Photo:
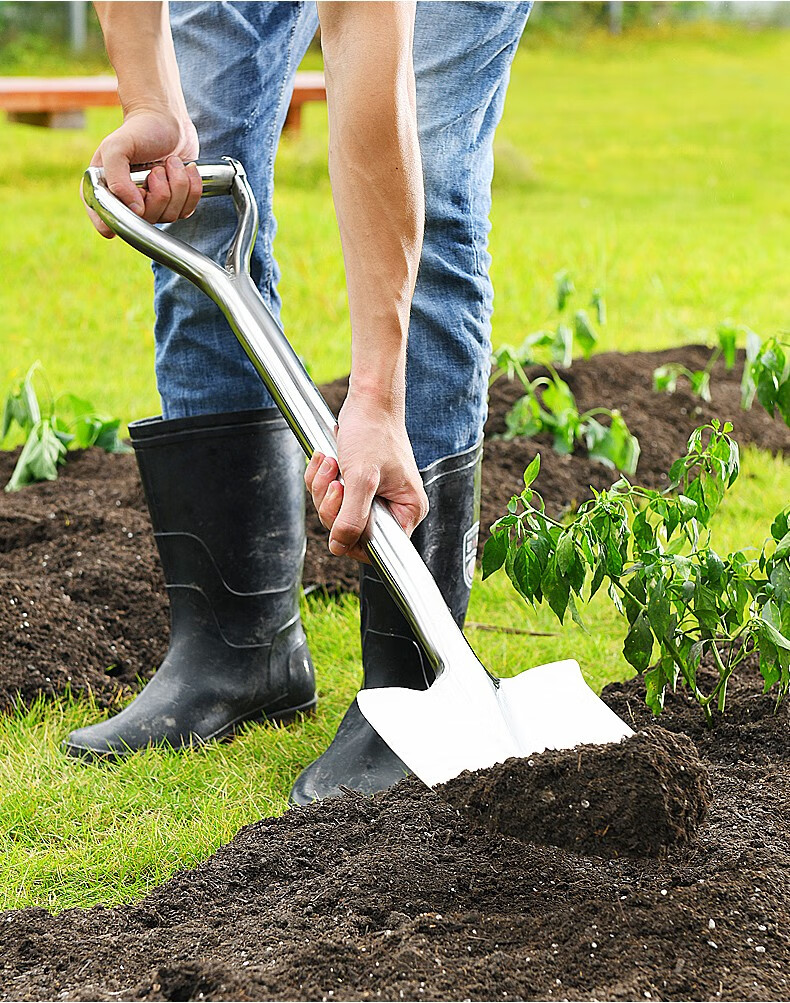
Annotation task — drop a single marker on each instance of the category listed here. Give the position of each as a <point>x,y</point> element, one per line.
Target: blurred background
<point>643,147</point>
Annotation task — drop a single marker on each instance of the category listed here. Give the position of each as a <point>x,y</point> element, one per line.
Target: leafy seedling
<point>548,404</point>
<point>555,346</point>
<point>61,423</point>
<point>766,371</point>
<point>652,552</point>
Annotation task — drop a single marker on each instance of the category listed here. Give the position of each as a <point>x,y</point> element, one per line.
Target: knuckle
<point>348,530</point>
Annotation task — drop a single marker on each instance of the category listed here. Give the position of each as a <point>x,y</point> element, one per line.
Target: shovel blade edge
<point>470,721</point>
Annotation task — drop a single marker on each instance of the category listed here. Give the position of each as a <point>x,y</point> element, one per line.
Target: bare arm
<point>156,123</point>
<point>376,173</point>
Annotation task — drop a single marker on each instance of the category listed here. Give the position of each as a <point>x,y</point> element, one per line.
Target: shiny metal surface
<point>217,178</point>
<point>464,723</point>
<point>466,720</point>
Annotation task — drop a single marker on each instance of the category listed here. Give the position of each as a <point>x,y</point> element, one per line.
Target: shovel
<point>468,719</point>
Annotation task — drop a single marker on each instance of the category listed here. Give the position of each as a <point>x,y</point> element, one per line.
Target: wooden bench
<point>60,102</point>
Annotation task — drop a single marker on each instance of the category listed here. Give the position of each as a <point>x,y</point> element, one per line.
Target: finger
<point>312,469</point>
<point>178,182</point>
<point>158,196</point>
<point>355,511</point>
<point>97,222</point>
<point>327,475</point>
<point>95,219</point>
<point>330,505</point>
<point>195,191</point>
<point>118,178</point>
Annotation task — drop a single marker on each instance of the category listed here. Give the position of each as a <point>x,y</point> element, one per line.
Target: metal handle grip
<point>217,178</point>
<point>391,552</point>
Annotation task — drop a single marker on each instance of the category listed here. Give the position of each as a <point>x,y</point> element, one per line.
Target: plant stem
<point>674,654</point>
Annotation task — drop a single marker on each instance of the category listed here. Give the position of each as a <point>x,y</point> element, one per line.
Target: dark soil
<point>404,897</point>
<point>82,600</point>
<point>640,798</point>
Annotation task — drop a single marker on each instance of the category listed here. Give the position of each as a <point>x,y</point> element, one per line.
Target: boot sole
<point>226,734</point>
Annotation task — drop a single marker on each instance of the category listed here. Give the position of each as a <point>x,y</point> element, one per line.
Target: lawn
<point>652,166</point>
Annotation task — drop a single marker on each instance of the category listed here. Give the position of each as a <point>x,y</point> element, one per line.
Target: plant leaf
<point>638,644</point>
<point>494,553</point>
<point>532,471</point>
<point>564,287</point>
<point>583,332</point>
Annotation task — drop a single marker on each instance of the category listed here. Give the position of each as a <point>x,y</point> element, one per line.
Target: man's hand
<point>375,459</point>
<point>156,124</point>
<point>146,136</point>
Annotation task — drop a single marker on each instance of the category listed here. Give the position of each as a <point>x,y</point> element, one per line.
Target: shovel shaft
<point>391,552</point>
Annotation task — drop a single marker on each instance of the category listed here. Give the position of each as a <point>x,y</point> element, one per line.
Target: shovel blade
<point>470,721</point>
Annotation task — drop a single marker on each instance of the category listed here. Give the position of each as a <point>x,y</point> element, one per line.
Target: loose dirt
<point>82,600</point>
<point>640,798</point>
<point>404,896</point>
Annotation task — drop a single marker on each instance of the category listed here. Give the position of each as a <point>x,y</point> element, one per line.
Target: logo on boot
<point>470,552</point>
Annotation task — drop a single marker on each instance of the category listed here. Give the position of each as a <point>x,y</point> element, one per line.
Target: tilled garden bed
<point>82,600</point>
<point>419,895</point>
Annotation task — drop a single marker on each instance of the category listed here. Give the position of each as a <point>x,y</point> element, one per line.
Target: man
<point>221,471</point>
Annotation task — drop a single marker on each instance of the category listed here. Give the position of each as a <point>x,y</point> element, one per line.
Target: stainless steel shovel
<point>468,719</point>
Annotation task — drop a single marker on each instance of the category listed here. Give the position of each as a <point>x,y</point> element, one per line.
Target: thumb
<point>408,515</point>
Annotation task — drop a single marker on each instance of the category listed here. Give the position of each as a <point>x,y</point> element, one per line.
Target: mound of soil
<point>638,798</point>
<point>404,897</point>
<point>82,599</point>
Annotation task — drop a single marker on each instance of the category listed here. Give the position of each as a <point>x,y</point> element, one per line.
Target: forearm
<point>140,47</point>
<point>374,163</point>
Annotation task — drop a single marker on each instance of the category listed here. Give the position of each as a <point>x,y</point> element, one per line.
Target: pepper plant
<point>557,345</point>
<point>52,428</point>
<point>652,553</point>
<point>548,404</point>
<point>766,371</point>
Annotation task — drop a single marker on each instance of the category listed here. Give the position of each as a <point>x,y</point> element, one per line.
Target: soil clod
<point>637,798</point>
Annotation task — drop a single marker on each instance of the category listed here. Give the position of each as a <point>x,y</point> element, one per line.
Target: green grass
<point>650,165</point>
<point>653,167</point>
<point>81,835</point>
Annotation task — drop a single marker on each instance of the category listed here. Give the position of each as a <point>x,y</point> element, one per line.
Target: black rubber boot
<point>358,759</point>
<point>226,497</point>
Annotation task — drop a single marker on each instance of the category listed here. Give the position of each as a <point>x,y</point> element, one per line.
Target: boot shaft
<point>226,498</point>
<point>447,541</point>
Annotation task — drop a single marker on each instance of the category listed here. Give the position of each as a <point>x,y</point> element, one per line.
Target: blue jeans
<point>237,63</point>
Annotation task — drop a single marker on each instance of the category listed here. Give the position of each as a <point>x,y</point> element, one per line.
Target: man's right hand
<point>173,190</point>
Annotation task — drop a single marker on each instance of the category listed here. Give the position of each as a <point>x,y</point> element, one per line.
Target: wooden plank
<point>42,94</point>
<point>50,119</point>
<point>58,102</point>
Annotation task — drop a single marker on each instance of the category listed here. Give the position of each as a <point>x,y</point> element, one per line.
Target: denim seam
<point>273,134</point>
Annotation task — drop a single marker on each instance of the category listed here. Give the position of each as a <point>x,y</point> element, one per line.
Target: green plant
<point>63,422</point>
<point>549,404</point>
<point>766,370</point>
<point>766,375</point>
<point>555,346</point>
<point>652,550</point>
